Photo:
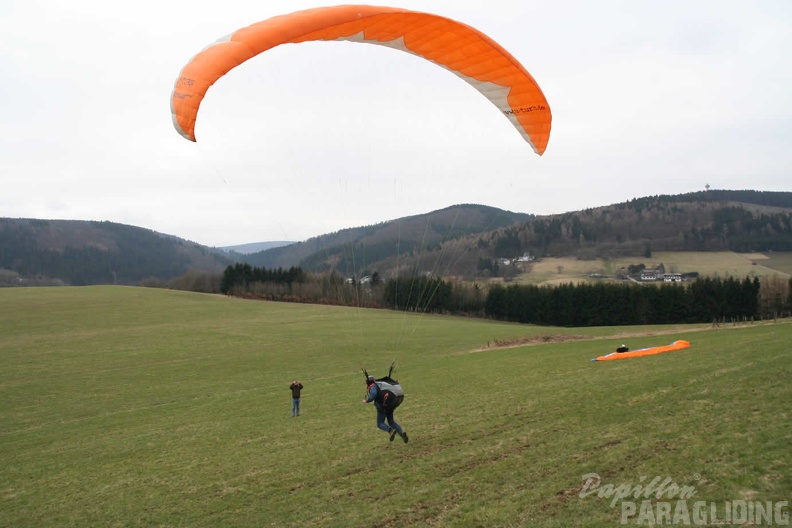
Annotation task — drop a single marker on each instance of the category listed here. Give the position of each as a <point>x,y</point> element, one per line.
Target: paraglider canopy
<point>679,344</point>
<point>461,49</point>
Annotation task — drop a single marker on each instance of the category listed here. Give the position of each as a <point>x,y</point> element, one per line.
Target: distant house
<point>672,277</point>
<point>650,274</point>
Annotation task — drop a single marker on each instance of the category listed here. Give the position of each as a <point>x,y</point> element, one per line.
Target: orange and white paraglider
<point>679,344</point>
<point>462,49</point>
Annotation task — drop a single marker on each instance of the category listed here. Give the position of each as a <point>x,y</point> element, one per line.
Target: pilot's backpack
<point>390,394</point>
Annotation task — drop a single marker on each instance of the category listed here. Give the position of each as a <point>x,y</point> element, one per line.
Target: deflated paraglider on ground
<point>676,345</point>
<point>461,49</point>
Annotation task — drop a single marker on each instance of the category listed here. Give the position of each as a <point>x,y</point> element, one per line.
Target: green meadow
<point>721,264</point>
<point>126,407</point>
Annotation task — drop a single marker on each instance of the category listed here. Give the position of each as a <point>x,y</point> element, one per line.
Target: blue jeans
<point>295,406</point>
<point>382,416</point>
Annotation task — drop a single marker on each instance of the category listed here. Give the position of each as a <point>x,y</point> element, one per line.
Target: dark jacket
<point>295,388</point>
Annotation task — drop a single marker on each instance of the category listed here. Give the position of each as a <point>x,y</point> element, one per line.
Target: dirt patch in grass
<point>527,341</point>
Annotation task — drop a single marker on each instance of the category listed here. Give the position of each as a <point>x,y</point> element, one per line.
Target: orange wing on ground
<point>676,345</point>
<point>460,48</point>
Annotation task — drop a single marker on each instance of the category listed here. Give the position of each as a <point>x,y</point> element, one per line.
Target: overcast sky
<point>647,98</point>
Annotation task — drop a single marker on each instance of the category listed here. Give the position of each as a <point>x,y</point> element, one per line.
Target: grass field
<point>722,264</point>
<point>139,407</point>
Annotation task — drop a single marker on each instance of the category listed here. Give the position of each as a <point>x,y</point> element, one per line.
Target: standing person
<point>295,387</point>
<point>382,401</point>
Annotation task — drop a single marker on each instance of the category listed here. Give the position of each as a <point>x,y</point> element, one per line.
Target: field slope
<point>139,407</point>
<point>722,264</point>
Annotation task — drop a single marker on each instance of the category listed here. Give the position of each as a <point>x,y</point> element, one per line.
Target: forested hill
<point>84,252</point>
<point>451,241</point>
<point>362,248</point>
<point>714,220</point>
<point>741,221</point>
<point>769,198</point>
